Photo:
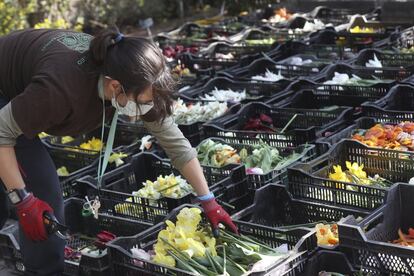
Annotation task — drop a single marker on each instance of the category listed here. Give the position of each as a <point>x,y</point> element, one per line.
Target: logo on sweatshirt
<point>78,42</point>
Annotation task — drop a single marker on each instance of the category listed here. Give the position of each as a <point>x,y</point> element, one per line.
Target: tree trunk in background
<point>181,8</point>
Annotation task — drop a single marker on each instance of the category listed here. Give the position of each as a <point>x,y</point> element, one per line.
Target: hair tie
<point>118,38</point>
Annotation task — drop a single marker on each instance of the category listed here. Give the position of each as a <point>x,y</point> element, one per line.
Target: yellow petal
<point>164,260</point>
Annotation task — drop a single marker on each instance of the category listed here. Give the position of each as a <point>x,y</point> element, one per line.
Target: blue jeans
<point>39,174</point>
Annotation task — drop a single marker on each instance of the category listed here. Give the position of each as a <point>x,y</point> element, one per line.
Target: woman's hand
<point>216,214</point>
<point>30,212</point>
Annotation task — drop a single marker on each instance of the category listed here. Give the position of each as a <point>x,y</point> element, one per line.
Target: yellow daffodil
<point>160,248</point>
<point>356,170</point>
<point>196,247</point>
<point>117,158</point>
<point>360,30</point>
<point>164,260</point>
<point>43,135</point>
<point>211,245</point>
<point>62,171</point>
<point>338,174</point>
<point>94,144</point>
<point>189,217</point>
<point>67,139</point>
<point>166,235</point>
<point>354,174</point>
<point>184,236</point>
<point>170,225</point>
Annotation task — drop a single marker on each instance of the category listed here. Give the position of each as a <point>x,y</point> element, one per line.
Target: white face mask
<point>132,109</point>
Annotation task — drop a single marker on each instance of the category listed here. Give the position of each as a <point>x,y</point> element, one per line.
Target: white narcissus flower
<point>269,76</point>
<point>145,143</point>
<point>198,112</point>
<point>224,95</point>
<point>374,63</point>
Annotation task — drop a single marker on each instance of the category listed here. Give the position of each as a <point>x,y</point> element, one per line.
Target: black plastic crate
<point>237,49</point>
<point>254,91</point>
<point>79,227</point>
<point>118,185</point>
<point>310,181</point>
<point>275,35</point>
<point>288,71</point>
<point>75,158</point>
<point>330,15</point>
<point>129,132</point>
<point>328,261</point>
<point>398,104</point>
<point>275,208</point>
<point>192,34</point>
<point>344,43</point>
<point>388,74</point>
<point>205,65</point>
<point>124,263</point>
<point>324,51</point>
<point>364,40</point>
<point>369,239</point>
<point>346,132</point>
<point>210,57</point>
<point>256,180</point>
<point>323,107</point>
<point>68,183</point>
<point>311,94</point>
<point>315,67</point>
<point>123,137</point>
<point>193,131</point>
<point>306,127</point>
<point>397,40</point>
<point>185,82</point>
<point>387,58</point>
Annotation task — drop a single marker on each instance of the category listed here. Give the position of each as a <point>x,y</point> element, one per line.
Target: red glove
<point>216,214</point>
<point>30,212</point>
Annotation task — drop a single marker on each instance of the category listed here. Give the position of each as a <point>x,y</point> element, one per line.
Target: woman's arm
<point>193,172</point>
<point>9,169</point>
<point>183,156</point>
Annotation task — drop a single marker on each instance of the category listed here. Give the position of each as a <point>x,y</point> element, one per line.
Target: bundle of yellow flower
<point>94,144</point>
<point>363,30</point>
<point>355,174</point>
<point>185,236</point>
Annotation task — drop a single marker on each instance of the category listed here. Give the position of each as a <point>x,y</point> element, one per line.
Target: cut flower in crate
<point>387,136</point>
<point>258,159</point>
<point>280,15</point>
<point>165,186</point>
<point>168,186</point>
<point>364,30</point>
<point>405,239</point>
<point>345,79</point>
<point>224,95</point>
<point>327,234</point>
<point>189,245</point>
<point>355,173</point>
<point>268,76</point>
<point>197,112</point>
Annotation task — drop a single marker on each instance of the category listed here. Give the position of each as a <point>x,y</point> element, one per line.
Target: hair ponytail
<point>100,45</point>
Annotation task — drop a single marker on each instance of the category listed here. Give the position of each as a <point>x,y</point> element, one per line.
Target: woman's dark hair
<point>136,63</point>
